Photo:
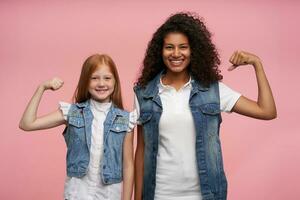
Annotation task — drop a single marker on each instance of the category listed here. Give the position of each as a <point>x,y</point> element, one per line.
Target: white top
<point>90,186</point>
<point>176,173</point>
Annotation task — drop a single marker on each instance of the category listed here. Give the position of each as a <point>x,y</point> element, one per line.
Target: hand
<point>53,84</point>
<point>242,58</point>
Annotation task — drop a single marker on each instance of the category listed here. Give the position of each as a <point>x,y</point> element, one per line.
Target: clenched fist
<point>53,84</point>
<point>242,58</point>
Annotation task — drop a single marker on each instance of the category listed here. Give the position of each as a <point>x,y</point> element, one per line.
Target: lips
<point>176,62</point>
<point>102,90</point>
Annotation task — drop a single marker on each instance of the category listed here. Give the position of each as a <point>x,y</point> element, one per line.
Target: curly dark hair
<point>204,56</point>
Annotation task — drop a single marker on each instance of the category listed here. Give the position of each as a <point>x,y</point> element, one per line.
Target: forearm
<point>139,175</point>
<point>30,113</point>
<point>139,166</point>
<point>128,174</point>
<point>265,98</point>
<point>30,121</point>
<point>264,107</point>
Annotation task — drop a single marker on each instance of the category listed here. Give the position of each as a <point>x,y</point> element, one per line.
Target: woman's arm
<point>128,171</point>
<point>264,107</point>
<point>30,121</point>
<point>139,164</point>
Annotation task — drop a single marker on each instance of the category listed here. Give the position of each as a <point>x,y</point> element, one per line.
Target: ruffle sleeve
<point>132,120</point>
<point>64,107</point>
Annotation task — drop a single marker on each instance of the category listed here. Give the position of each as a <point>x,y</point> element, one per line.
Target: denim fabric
<point>78,140</point>
<point>205,107</point>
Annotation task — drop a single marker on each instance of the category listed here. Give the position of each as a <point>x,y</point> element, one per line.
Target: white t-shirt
<point>176,172</point>
<point>90,187</point>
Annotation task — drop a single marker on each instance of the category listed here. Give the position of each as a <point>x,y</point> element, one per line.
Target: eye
<point>184,47</point>
<point>107,78</point>
<point>168,47</point>
<point>94,78</point>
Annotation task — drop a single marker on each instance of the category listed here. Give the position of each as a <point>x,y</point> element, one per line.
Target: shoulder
<point>226,90</point>
<point>76,108</point>
<point>138,89</point>
<point>121,112</point>
<point>121,116</point>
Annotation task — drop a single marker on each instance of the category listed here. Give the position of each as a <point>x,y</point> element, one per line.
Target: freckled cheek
<point>92,84</point>
<point>113,85</point>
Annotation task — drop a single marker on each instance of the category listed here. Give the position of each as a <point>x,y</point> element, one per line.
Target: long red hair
<point>88,68</point>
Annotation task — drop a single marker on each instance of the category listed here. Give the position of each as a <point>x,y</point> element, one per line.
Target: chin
<point>177,69</point>
<point>101,99</point>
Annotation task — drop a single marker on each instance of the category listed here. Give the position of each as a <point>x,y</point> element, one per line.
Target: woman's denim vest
<point>78,139</point>
<point>205,107</point>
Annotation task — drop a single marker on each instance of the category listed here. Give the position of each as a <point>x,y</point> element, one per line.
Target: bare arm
<point>30,121</point>
<point>264,107</point>
<point>128,171</point>
<point>139,164</point>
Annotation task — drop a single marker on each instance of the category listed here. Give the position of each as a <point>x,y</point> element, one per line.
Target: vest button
<point>104,166</point>
<point>117,128</point>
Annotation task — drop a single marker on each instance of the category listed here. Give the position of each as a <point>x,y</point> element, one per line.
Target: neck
<point>101,102</point>
<point>176,80</point>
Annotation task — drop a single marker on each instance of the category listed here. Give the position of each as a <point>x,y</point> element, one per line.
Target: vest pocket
<point>76,121</point>
<point>76,130</point>
<point>210,108</point>
<point>118,128</point>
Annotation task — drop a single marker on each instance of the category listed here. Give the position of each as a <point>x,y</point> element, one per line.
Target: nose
<point>176,52</point>
<point>100,82</point>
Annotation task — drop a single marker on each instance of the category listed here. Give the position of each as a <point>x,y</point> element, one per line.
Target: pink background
<point>40,40</point>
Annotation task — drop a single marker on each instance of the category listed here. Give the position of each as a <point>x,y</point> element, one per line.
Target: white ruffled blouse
<point>90,186</point>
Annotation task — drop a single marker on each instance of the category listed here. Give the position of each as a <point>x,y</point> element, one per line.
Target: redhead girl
<point>98,132</point>
<point>179,100</point>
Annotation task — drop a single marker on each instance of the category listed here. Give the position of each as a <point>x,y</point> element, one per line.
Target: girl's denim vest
<point>205,107</point>
<point>78,139</point>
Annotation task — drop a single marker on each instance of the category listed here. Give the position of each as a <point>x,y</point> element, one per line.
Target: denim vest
<point>205,107</point>
<point>78,139</point>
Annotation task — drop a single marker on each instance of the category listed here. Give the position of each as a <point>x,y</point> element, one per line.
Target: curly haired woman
<point>179,100</point>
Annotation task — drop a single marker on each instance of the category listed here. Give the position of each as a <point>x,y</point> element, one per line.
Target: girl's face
<point>176,52</point>
<point>102,84</point>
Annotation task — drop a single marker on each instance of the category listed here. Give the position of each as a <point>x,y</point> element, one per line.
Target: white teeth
<point>176,62</point>
<point>101,90</point>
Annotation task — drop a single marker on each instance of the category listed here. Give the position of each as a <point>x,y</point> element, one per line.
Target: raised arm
<point>139,164</point>
<point>264,107</point>
<point>30,121</point>
<point>128,166</point>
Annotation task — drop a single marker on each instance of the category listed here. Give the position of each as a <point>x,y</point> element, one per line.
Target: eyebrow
<point>178,44</point>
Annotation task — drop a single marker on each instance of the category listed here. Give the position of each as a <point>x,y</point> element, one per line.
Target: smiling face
<point>176,52</point>
<point>102,84</point>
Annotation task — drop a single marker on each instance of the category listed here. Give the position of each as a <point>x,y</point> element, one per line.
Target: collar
<point>101,107</point>
<point>162,87</point>
<point>152,88</point>
<point>197,85</point>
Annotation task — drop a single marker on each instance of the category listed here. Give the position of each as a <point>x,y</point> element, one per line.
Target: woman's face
<point>176,52</point>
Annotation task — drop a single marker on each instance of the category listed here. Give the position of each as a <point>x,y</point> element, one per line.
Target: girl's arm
<point>139,164</point>
<point>264,107</point>
<point>128,171</point>
<point>30,121</point>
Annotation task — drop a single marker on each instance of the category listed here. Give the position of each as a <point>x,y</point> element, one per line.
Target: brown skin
<point>176,55</point>
<point>263,108</point>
